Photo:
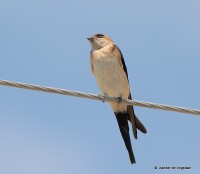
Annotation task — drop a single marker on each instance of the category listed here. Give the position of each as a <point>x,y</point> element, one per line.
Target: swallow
<point>109,69</point>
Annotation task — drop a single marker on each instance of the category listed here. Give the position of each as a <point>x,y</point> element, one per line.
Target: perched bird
<point>109,69</point>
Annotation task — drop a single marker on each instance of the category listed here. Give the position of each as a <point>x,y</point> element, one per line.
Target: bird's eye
<point>100,35</point>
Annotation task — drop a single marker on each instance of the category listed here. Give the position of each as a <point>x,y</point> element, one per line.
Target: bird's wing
<point>136,123</point>
<point>121,60</point>
<point>130,109</point>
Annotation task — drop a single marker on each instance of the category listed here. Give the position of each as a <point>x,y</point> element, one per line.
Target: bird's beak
<point>90,38</point>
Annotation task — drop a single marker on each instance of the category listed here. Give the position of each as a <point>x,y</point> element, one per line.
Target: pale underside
<point>111,78</point>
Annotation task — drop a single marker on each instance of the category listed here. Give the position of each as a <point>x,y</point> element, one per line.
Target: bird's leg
<point>119,99</point>
<point>102,96</point>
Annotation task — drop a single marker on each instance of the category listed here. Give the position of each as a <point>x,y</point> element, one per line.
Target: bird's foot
<point>102,96</point>
<point>119,99</point>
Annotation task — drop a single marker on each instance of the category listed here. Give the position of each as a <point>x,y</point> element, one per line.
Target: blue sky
<point>44,42</point>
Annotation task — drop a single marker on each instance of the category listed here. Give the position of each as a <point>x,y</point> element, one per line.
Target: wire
<point>99,97</point>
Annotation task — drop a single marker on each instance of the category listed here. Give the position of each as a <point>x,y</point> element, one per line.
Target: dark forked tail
<point>135,122</point>
<point>122,119</point>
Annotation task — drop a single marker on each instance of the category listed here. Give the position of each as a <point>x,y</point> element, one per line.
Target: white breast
<point>111,79</point>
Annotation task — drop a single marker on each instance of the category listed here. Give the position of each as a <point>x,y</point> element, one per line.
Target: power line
<point>98,97</point>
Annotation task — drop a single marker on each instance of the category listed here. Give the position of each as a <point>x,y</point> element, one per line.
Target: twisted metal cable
<point>99,97</point>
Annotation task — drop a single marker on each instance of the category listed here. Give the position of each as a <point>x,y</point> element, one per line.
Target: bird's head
<point>98,41</point>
